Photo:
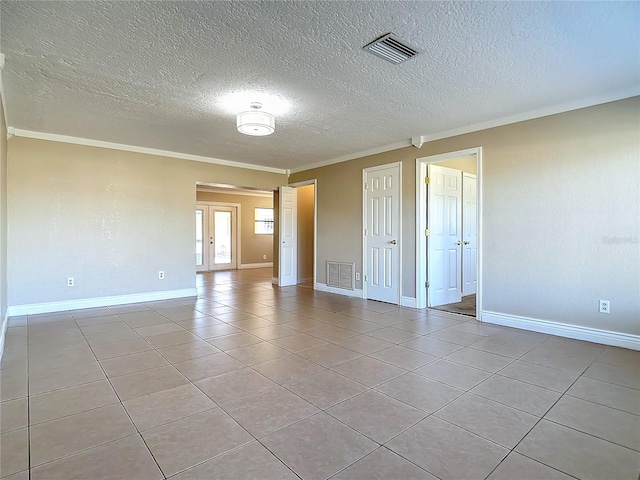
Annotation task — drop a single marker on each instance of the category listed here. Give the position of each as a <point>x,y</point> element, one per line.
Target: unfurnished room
<point>313,240</point>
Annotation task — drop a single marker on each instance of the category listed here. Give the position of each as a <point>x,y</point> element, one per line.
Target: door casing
<point>421,223</point>
<point>277,280</point>
<point>236,235</point>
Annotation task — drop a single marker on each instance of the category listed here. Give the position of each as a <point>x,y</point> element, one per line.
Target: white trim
<point>352,156</point>
<point>231,191</point>
<point>49,307</point>
<point>408,302</point>
<point>3,332</point>
<point>533,114</point>
<point>421,216</point>
<point>521,117</point>
<point>4,109</point>
<point>246,266</point>
<point>596,335</point>
<point>305,183</point>
<point>18,132</point>
<point>365,172</point>
<point>323,287</point>
<point>238,243</point>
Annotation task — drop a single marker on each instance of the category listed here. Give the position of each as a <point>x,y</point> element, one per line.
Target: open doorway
<point>448,219</point>
<point>295,234</point>
<point>233,228</point>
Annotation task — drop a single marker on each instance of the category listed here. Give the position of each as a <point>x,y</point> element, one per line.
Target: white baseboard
<point>408,302</point>
<point>323,287</point>
<point>49,307</point>
<point>3,331</point>
<point>596,335</point>
<point>244,266</point>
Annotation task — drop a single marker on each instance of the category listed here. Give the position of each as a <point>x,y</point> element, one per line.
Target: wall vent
<point>341,275</point>
<point>392,49</point>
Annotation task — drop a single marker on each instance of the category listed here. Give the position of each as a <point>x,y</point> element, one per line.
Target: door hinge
<point>365,278</point>
<point>426,180</point>
<point>426,284</point>
<point>366,186</point>
<point>427,232</point>
<point>365,232</point>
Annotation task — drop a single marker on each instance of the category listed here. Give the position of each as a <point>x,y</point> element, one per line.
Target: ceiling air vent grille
<point>392,49</point>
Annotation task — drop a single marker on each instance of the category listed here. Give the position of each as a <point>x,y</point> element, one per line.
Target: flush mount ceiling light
<point>256,122</point>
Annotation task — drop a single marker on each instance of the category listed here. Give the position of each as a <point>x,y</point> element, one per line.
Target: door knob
<point>466,242</point>
<point>459,242</point>
<point>393,242</point>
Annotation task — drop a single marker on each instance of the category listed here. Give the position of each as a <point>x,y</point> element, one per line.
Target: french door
<point>216,227</point>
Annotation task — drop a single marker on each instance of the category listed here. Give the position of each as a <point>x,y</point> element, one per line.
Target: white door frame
<point>421,223</point>
<point>238,230</point>
<point>365,263</point>
<point>304,183</point>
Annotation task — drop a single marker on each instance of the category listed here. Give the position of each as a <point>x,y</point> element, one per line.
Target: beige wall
<point>252,246</point>
<point>305,233</point>
<point>561,218</point>
<point>3,214</point>
<point>464,164</point>
<point>108,218</point>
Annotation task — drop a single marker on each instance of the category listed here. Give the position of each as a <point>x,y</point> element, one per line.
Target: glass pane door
<point>215,247</point>
<point>222,227</point>
<point>202,242</point>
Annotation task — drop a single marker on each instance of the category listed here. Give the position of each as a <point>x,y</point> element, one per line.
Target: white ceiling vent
<point>392,49</point>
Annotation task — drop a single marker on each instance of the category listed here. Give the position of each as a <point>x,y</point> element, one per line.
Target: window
<point>263,221</point>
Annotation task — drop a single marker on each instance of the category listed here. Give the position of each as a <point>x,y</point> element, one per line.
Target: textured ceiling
<point>156,74</point>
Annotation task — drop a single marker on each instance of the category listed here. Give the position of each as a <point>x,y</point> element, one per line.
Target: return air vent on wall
<point>341,275</point>
<point>391,48</point>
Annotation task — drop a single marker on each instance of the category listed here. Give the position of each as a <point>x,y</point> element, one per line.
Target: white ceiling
<point>156,74</point>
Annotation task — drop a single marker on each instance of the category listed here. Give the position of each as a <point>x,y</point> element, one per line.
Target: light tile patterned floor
<point>251,381</point>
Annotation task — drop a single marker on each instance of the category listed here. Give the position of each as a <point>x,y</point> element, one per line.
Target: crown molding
<point>2,95</point>
<point>420,140</point>
<point>18,132</point>
<point>352,156</point>
<point>231,191</point>
<point>530,115</point>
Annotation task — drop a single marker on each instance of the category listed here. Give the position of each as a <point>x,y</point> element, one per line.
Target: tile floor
<point>254,382</point>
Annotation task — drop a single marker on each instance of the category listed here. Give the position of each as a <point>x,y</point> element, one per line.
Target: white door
<point>469,234</point>
<point>288,222</point>
<point>382,233</point>
<point>215,238</point>
<point>444,221</point>
<point>202,238</point>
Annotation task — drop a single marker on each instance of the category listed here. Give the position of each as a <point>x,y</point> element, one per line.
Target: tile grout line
<point>139,434</point>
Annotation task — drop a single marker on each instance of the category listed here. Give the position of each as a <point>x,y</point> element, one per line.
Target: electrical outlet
<point>161,275</point>
<point>70,282</point>
<point>264,257</point>
<point>357,275</point>
<point>604,306</point>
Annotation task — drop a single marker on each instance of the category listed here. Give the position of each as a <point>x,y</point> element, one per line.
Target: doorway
<point>216,237</point>
<point>448,210</point>
<point>295,247</point>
